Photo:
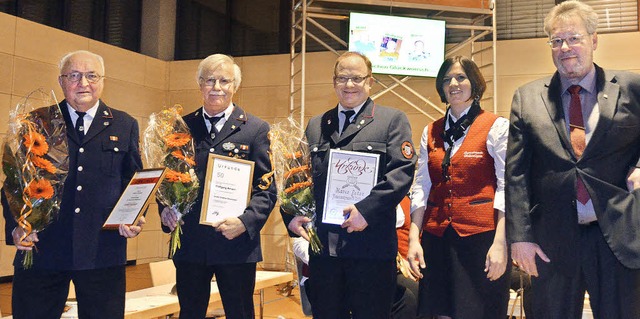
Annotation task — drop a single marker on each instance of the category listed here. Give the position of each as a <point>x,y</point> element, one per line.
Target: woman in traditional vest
<point>457,239</point>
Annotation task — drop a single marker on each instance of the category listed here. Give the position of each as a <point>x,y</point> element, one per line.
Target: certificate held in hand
<point>135,198</point>
<point>350,178</point>
<point>227,188</point>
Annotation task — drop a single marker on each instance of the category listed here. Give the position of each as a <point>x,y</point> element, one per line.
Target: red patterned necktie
<point>577,133</point>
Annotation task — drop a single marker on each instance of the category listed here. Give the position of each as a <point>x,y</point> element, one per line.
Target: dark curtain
<point>234,27</point>
<point>115,22</point>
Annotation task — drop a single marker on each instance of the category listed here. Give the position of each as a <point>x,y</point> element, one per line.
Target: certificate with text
<point>227,188</point>
<point>350,178</point>
<point>135,198</point>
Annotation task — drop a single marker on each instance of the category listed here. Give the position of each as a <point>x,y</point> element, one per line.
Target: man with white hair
<point>103,156</point>
<point>230,249</point>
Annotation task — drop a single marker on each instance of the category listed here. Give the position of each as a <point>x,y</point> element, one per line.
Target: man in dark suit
<point>356,272</point>
<point>103,156</point>
<point>231,248</point>
<point>574,137</point>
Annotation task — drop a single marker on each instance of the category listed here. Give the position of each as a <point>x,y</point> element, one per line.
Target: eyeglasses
<point>573,40</point>
<point>211,82</point>
<point>354,79</point>
<point>77,77</point>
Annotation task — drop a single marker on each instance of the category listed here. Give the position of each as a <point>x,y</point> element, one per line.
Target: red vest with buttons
<point>466,200</point>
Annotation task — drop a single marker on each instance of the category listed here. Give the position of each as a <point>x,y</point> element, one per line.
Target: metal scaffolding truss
<point>465,26</point>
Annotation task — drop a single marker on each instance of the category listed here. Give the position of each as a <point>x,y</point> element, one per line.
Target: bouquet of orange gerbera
<point>290,160</point>
<point>35,162</point>
<point>168,143</point>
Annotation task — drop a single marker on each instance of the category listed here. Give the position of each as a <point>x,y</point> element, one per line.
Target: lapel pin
<point>358,126</point>
<point>105,123</point>
<point>113,138</point>
<point>329,122</point>
<point>605,96</point>
<point>361,121</point>
<point>233,127</point>
<point>241,116</point>
<point>105,112</point>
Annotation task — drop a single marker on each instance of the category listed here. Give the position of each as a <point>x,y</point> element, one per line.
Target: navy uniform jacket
<point>243,136</point>
<point>376,129</point>
<point>542,168</point>
<point>99,169</point>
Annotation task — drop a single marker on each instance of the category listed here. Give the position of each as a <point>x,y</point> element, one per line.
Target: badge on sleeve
<point>407,150</point>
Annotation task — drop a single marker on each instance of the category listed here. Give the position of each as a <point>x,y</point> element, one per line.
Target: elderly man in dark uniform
<point>231,248</point>
<point>355,274</point>
<point>103,156</point>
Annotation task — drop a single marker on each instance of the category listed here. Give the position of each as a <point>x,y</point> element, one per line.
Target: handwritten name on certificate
<point>227,188</point>
<point>135,198</point>
<point>350,178</point>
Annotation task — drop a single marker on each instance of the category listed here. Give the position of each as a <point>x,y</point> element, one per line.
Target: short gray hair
<point>65,59</point>
<point>571,8</point>
<point>214,61</point>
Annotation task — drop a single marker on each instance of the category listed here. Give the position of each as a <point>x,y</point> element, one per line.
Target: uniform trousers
<point>352,288</point>
<point>236,283</point>
<point>614,290</point>
<point>41,294</point>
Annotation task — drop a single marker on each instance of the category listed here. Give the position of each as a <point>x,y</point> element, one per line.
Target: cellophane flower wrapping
<point>168,143</point>
<point>35,162</point>
<point>291,162</point>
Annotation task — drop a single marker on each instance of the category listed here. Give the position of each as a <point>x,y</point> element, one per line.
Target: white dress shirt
<point>88,118</point>
<point>227,113</point>
<point>496,146</point>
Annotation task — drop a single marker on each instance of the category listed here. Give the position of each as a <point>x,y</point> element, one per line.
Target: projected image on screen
<point>398,45</point>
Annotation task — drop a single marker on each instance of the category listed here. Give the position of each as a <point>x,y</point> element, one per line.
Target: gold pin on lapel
<point>105,112</point>
<point>233,127</point>
<point>105,123</point>
<point>328,122</point>
<point>113,138</point>
<point>361,121</point>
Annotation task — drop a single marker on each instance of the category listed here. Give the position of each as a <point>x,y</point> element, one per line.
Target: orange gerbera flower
<point>177,139</point>
<point>40,188</point>
<point>36,143</point>
<point>296,186</point>
<point>43,163</point>
<point>173,176</point>
<point>178,154</point>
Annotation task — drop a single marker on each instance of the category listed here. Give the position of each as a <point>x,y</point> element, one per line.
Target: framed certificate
<point>135,198</point>
<point>227,188</point>
<point>350,178</point>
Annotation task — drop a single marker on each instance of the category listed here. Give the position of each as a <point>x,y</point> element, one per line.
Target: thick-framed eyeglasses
<point>75,77</point>
<point>556,43</point>
<point>211,82</point>
<point>354,79</point>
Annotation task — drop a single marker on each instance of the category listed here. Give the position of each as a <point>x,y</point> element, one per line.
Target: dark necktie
<point>455,132</point>
<point>80,125</point>
<point>348,114</point>
<point>213,120</point>
<point>577,134</point>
